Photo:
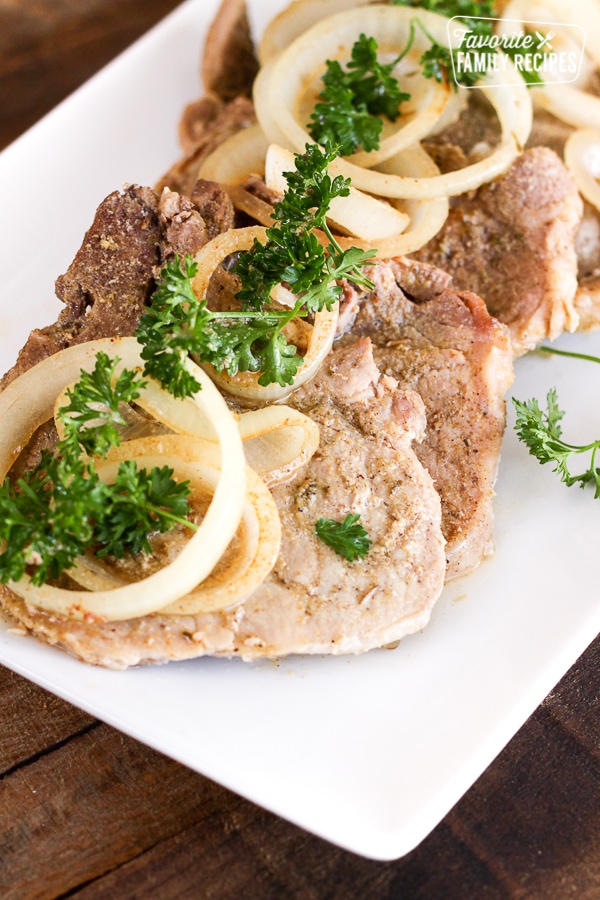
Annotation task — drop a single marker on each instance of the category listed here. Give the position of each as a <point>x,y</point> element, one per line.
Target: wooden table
<point>86,812</point>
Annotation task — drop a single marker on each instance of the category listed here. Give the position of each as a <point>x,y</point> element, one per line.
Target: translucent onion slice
<point>295,19</point>
<point>568,102</point>
<point>253,206</point>
<point>244,385</point>
<point>582,158</point>
<point>359,214</point>
<point>283,84</point>
<point>212,254</point>
<point>426,216</point>
<point>28,402</point>
<point>278,440</point>
<point>240,155</point>
<point>260,528</point>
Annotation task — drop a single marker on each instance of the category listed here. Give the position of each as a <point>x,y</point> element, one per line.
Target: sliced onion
<point>427,217</point>
<point>240,155</point>
<point>260,528</point>
<point>582,158</point>
<point>359,214</point>
<point>278,440</point>
<point>244,385</point>
<point>253,206</point>
<point>294,20</point>
<point>28,402</point>
<point>282,84</point>
<point>212,254</point>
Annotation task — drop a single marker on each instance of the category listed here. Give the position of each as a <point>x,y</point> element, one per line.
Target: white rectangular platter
<point>368,752</point>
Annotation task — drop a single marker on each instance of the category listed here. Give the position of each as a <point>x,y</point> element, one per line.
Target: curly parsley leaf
<point>252,339</point>
<point>138,503</point>
<point>46,520</point>
<point>541,431</point>
<point>93,417</point>
<point>353,98</point>
<point>61,507</point>
<point>167,328</point>
<point>347,538</point>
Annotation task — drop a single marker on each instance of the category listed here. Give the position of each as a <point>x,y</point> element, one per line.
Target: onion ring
<point>28,401</point>
<point>283,80</point>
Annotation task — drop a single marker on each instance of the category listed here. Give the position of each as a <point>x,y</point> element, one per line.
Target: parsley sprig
<point>348,538</point>
<point>92,418</point>
<point>541,431</point>
<point>353,99</point>
<point>61,507</point>
<point>252,339</point>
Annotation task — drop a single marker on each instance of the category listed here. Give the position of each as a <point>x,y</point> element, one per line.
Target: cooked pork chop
<point>473,135</point>
<point>313,601</point>
<point>512,243</point>
<point>108,282</point>
<point>206,123</point>
<point>228,40</point>
<point>447,347</point>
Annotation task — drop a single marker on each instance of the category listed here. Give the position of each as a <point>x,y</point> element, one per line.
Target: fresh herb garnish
<point>92,417</point>
<point>252,339</point>
<point>541,431</point>
<point>347,538</point>
<point>61,507</point>
<point>139,502</point>
<point>353,99</point>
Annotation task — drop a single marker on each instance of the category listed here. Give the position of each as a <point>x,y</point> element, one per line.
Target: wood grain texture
<point>86,812</point>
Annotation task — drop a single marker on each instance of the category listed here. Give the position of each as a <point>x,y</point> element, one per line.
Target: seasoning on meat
<point>512,243</point>
<point>313,601</point>
<point>447,347</point>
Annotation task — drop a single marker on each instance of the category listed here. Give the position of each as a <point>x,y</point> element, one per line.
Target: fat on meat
<point>445,345</point>
<point>314,601</point>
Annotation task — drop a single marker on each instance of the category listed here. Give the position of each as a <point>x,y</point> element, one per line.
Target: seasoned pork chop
<point>473,135</point>
<point>447,347</point>
<point>512,243</point>
<point>314,601</point>
<point>108,282</point>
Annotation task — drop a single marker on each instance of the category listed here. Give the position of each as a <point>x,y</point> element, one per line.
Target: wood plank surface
<point>87,812</point>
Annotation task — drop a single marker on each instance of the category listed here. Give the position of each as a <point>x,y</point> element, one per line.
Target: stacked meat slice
<point>314,601</point>
<point>447,347</point>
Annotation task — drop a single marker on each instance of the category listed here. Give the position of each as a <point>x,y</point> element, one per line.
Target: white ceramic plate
<point>368,752</point>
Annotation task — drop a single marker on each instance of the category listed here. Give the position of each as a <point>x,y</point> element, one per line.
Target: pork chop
<point>473,135</point>
<point>445,345</point>
<point>314,601</point>
<point>512,243</point>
